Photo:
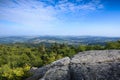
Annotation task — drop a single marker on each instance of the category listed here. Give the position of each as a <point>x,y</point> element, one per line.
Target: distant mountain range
<point>76,40</point>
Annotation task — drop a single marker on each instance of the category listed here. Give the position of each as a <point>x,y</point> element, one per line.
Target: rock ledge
<point>88,65</point>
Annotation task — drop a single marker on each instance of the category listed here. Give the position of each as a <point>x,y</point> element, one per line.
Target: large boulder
<point>58,70</point>
<point>88,65</point>
<point>57,73</point>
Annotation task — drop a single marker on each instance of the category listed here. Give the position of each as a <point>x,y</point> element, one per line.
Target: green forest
<point>17,59</point>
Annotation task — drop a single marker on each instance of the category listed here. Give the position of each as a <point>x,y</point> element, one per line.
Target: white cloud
<point>38,13</point>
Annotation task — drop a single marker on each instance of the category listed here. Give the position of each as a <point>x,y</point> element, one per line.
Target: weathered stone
<point>97,71</point>
<point>39,73</point>
<point>61,62</point>
<point>89,65</point>
<point>96,56</point>
<point>59,73</point>
<point>33,70</point>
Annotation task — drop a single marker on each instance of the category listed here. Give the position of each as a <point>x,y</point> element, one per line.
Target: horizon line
<point>56,35</point>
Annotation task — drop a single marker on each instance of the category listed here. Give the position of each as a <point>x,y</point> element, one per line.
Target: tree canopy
<point>17,59</point>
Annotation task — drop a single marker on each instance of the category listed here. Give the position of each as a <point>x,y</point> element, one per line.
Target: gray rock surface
<point>88,65</point>
<point>61,62</point>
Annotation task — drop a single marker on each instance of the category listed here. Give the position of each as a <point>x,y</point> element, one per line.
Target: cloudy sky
<point>60,17</point>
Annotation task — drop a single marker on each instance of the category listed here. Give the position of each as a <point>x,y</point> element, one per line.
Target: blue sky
<point>60,17</point>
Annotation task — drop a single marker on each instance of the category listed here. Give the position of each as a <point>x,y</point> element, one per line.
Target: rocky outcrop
<point>89,65</point>
<point>58,70</point>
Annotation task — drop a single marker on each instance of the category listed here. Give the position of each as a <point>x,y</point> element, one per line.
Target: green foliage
<point>17,59</point>
<point>82,48</point>
<point>113,45</point>
<point>13,73</point>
